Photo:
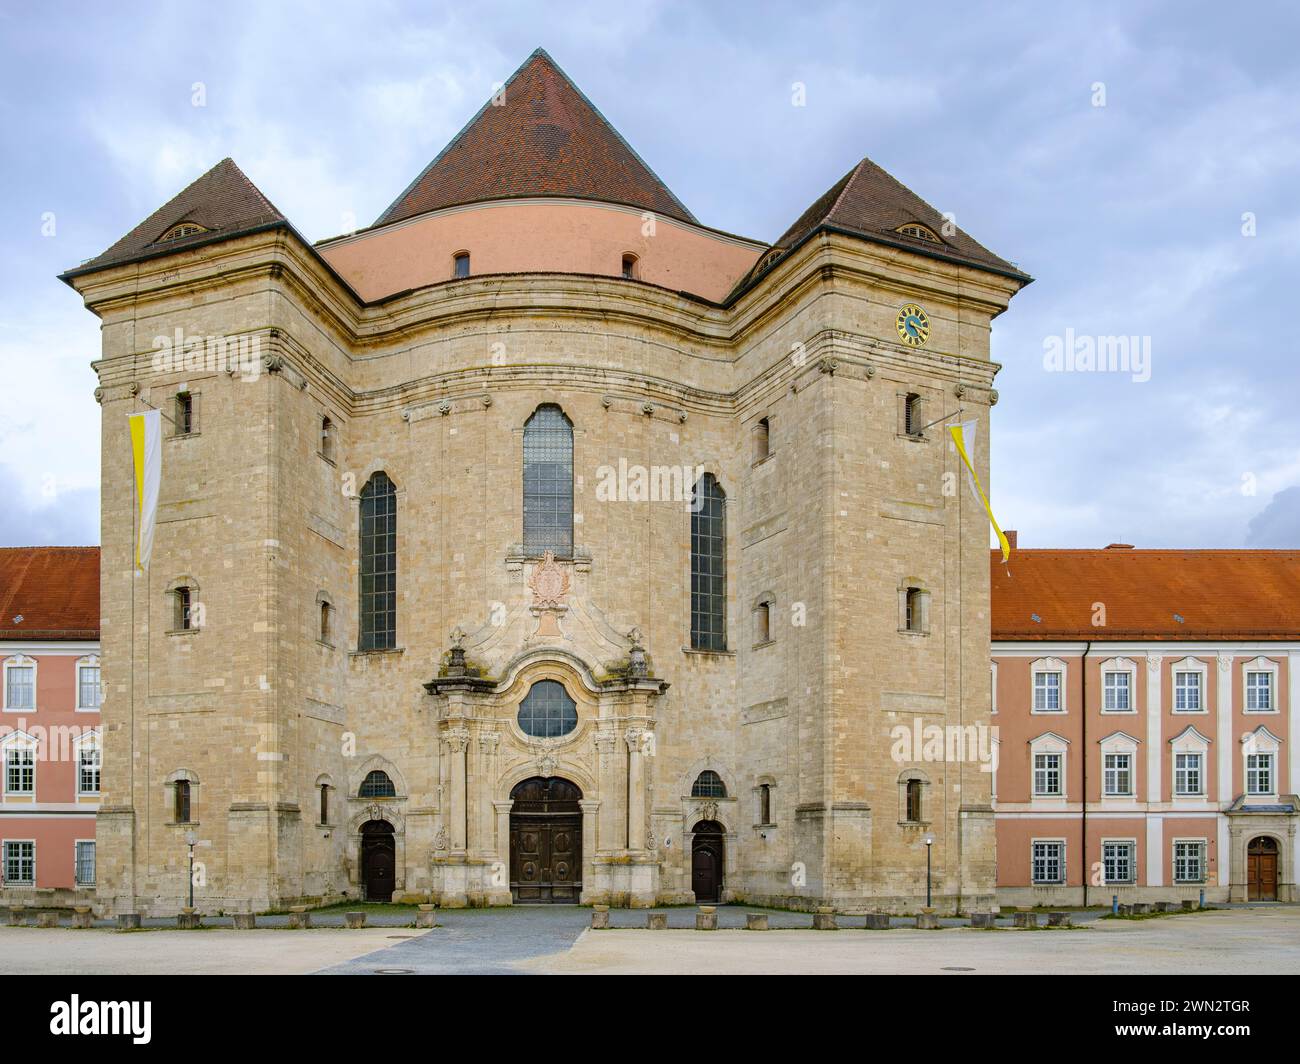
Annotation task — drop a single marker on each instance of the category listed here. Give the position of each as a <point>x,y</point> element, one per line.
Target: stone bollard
<point>426,917</point>
<point>982,920</point>
<point>1025,919</point>
<point>1125,909</point>
<point>47,919</point>
<point>824,919</point>
<point>927,921</point>
<point>82,917</point>
<point>189,920</point>
<point>656,921</point>
<point>354,921</point>
<point>706,919</point>
<point>17,917</point>
<point>244,921</point>
<point>128,921</point>
<point>299,917</point>
<point>1163,906</point>
<point>877,922</point>
<point>1189,905</point>
<point>1058,919</point>
<point>599,917</point>
<point>1141,908</point>
<point>758,921</point>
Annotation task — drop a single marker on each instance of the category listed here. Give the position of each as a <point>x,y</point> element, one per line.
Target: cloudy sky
<point>1140,160</point>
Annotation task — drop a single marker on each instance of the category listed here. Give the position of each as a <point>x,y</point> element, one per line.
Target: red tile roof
<point>545,139</point>
<point>223,201</point>
<point>54,590</point>
<point>1218,594</point>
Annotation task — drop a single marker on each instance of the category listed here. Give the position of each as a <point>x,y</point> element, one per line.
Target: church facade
<point>540,543</point>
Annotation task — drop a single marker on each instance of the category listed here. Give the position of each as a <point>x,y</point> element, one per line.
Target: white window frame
<point>1120,743</point>
<point>1131,845</point>
<point>4,856</point>
<point>1119,667</point>
<point>1049,744</point>
<point>1045,666</point>
<point>993,688</point>
<point>1257,666</point>
<point>89,740</point>
<point>1033,879</point>
<point>1189,741</point>
<point>21,661</point>
<point>76,863</point>
<point>1200,669</point>
<point>91,661</point>
<point>1203,859</point>
<point>18,741</point>
<point>1117,773</point>
<point>1260,743</point>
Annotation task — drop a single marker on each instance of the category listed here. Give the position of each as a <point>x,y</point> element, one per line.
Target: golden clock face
<point>913,325</point>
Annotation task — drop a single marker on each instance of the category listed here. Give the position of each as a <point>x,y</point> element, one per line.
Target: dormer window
<point>460,265</point>
<point>919,231</point>
<point>629,267</point>
<point>183,229</point>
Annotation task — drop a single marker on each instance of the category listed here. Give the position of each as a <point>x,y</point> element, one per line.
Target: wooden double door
<point>546,841</point>
<point>1261,869</point>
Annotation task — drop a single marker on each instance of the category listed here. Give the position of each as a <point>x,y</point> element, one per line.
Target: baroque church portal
<point>541,544</point>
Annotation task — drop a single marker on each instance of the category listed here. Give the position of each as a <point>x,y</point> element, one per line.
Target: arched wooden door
<point>546,841</point>
<point>1261,869</point>
<point>378,860</point>
<point>708,859</point>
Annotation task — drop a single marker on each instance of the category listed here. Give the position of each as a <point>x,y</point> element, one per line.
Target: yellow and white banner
<point>146,451</point>
<point>963,436</point>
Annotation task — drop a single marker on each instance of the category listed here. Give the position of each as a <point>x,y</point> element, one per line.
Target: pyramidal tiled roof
<point>868,202</point>
<point>224,202</point>
<point>542,137</point>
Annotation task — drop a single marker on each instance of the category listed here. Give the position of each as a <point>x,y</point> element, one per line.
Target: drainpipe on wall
<point>1083,720</point>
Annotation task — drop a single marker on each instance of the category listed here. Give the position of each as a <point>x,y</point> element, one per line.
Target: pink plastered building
<point>1145,710</point>
<point>50,697</point>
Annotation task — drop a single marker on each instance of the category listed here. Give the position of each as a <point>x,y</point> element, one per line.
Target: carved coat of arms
<point>550,584</point>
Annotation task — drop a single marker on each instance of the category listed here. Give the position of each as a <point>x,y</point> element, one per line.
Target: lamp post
<point>190,840</point>
<point>929,842</point>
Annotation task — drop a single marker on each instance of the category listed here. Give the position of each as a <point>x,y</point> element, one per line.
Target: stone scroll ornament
<point>550,586</point>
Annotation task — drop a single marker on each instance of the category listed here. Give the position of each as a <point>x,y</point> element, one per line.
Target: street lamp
<point>190,840</point>
<point>928,839</point>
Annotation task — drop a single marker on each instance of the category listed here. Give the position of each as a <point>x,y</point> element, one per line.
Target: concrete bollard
<point>244,921</point>
<point>982,920</point>
<point>47,919</point>
<point>82,917</point>
<point>1058,919</point>
<point>599,917</point>
<point>927,921</point>
<point>1141,908</point>
<point>758,921</point>
<point>299,917</point>
<point>1189,905</point>
<point>1162,906</point>
<point>656,921</point>
<point>427,916</point>
<point>128,921</point>
<point>706,919</point>
<point>877,922</point>
<point>1125,910</point>
<point>189,920</point>
<point>17,916</point>
<point>824,919</point>
<point>354,921</point>
<point>1025,919</point>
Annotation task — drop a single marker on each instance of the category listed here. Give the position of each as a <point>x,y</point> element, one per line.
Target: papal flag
<point>146,452</point>
<point>963,436</point>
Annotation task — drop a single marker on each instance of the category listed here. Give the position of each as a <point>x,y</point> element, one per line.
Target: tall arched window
<point>378,564</point>
<point>709,566</point>
<point>548,483</point>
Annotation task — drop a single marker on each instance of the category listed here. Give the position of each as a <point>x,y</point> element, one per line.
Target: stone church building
<point>541,543</point>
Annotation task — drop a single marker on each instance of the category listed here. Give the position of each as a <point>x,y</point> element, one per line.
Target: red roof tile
<point>1218,594</point>
<point>223,201</point>
<point>54,590</point>
<point>545,139</point>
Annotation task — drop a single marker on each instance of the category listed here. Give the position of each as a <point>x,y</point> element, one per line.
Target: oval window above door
<point>547,711</point>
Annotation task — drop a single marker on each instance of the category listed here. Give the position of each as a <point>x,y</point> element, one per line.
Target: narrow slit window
<point>184,413</point>
<point>460,265</point>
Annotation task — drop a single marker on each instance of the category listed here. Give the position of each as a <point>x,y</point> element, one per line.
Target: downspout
<point>1083,718</point>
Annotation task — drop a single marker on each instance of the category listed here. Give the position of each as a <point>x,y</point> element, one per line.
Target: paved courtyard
<point>542,939</point>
